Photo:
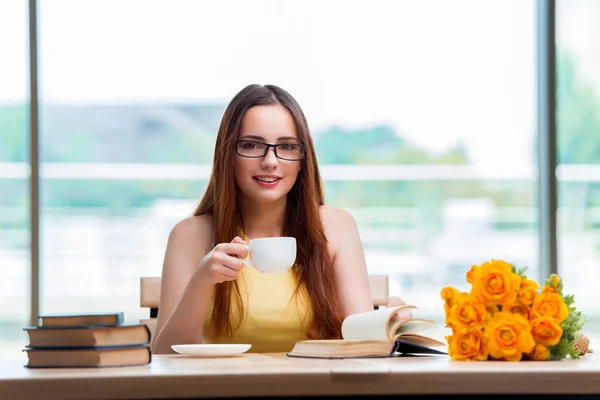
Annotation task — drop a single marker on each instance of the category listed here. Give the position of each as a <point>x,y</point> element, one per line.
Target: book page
<point>421,340</point>
<point>342,348</point>
<point>408,326</point>
<point>371,325</point>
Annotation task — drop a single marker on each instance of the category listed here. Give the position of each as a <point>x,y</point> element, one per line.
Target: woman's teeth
<point>263,179</point>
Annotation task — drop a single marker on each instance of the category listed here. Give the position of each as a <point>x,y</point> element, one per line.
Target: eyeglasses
<point>285,151</point>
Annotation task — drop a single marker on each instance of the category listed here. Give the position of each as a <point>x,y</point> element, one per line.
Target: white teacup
<point>272,254</point>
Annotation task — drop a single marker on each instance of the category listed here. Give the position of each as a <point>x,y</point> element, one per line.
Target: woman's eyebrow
<point>288,138</point>
<point>256,137</point>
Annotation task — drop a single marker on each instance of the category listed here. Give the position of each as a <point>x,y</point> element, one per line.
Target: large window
<point>578,138</point>
<point>423,121</point>
<point>423,114</point>
<point>14,177</point>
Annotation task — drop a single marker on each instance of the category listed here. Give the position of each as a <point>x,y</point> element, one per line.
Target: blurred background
<point>423,113</point>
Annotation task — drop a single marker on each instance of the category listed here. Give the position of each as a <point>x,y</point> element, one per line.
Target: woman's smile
<point>268,181</point>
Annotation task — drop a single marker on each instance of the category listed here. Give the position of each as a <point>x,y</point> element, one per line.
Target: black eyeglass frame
<point>268,146</point>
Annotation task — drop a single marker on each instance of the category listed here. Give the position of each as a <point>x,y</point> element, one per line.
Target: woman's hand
<point>396,301</point>
<point>223,262</point>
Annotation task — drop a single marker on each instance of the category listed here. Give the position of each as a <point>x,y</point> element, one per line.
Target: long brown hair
<point>314,267</point>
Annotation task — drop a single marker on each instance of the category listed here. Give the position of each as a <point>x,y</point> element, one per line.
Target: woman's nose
<point>270,159</point>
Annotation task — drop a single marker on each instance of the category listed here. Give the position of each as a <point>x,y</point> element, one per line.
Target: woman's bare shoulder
<point>337,223</point>
<point>195,231</point>
<point>335,216</point>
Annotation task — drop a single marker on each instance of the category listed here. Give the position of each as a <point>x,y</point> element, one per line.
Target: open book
<point>374,334</point>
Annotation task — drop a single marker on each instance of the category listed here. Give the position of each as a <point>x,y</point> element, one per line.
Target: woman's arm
<point>348,260</point>
<point>190,271</point>
<point>349,264</point>
<point>183,303</point>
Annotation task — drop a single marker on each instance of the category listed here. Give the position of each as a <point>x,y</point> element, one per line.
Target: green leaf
<point>571,327</point>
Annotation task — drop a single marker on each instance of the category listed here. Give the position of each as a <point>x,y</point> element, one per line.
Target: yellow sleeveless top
<point>275,318</point>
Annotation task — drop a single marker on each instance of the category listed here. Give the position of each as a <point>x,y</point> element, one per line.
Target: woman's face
<point>266,178</point>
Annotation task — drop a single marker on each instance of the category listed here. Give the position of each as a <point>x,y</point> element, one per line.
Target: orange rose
<point>546,331</point>
<point>508,336</point>
<point>472,273</point>
<point>518,308</point>
<point>468,346</point>
<point>496,283</point>
<point>551,305</point>
<point>448,293</point>
<point>467,313</point>
<point>527,291</point>
<point>539,353</point>
<point>549,289</point>
<point>492,309</point>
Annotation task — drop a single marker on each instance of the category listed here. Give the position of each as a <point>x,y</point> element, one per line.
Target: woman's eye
<point>249,146</point>
<point>287,147</point>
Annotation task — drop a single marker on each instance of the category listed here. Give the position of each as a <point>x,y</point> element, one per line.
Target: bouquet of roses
<point>506,316</point>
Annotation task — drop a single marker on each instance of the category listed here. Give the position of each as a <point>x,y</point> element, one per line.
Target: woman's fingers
<point>224,261</point>
<point>227,261</point>
<point>226,258</point>
<point>396,301</point>
<point>241,241</point>
<point>404,314</point>
<point>232,249</point>
<point>238,239</point>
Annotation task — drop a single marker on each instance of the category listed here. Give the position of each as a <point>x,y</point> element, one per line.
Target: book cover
<point>83,319</point>
<point>88,336</point>
<point>110,356</point>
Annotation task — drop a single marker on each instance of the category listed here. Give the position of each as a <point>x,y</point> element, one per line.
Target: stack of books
<point>87,340</point>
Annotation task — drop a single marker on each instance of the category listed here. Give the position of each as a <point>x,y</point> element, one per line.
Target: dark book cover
<point>81,319</point>
<point>404,347</point>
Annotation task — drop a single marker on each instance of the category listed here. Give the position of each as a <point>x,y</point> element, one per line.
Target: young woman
<point>265,182</point>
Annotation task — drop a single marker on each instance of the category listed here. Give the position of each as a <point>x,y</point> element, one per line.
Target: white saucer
<point>211,350</point>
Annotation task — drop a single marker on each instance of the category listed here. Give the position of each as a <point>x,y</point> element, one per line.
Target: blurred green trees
<point>172,133</point>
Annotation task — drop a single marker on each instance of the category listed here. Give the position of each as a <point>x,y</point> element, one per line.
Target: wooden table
<point>251,374</point>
